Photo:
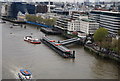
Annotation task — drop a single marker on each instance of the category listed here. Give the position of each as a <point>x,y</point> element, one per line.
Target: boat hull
<point>35,42</point>
<point>31,41</point>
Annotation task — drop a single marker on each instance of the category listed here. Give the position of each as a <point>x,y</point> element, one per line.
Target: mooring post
<point>25,26</point>
<point>73,54</point>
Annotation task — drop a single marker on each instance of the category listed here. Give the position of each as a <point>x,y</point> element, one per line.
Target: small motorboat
<point>2,22</point>
<point>16,25</point>
<point>25,74</point>
<point>32,40</point>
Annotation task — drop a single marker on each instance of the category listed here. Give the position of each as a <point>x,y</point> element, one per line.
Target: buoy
<point>11,27</point>
<point>31,33</point>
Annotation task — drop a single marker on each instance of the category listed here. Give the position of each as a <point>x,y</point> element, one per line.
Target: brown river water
<point>44,63</point>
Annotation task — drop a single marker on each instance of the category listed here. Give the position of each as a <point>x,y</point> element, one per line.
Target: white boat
<point>16,24</point>
<point>2,22</point>
<point>25,74</point>
<point>28,38</point>
<point>32,40</point>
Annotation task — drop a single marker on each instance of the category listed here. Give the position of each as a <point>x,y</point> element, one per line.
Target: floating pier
<point>49,31</point>
<point>57,47</point>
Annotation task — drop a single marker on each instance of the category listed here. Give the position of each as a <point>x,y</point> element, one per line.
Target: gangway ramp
<point>69,41</point>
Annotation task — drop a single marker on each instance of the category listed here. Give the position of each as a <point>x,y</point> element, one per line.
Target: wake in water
<point>15,70</point>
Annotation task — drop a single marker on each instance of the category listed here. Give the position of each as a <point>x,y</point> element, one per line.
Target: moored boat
<point>35,41</point>
<point>32,40</point>
<point>27,38</point>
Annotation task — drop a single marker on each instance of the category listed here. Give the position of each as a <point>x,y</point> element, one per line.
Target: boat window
<point>25,74</point>
<point>68,53</point>
<point>36,41</point>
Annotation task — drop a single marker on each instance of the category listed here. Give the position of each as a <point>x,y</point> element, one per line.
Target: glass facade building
<point>15,7</point>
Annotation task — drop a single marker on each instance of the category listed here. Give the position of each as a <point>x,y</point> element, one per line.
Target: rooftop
<point>88,20</point>
<point>106,11</point>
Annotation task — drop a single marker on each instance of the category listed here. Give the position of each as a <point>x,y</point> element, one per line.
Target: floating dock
<point>49,31</point>
<point>57,47</point>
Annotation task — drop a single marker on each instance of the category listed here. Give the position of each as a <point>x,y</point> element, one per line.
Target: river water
<point>44,63</point>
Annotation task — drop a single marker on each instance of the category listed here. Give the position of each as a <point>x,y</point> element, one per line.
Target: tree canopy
<point>100,34</point>
<point>39,19</point>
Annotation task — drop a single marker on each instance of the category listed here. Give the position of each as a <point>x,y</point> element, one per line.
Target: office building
<point>12,9</point>
<point>67,23</point>
<point>41,8</point>
<point>107,19</point>
<point>88,26</point>
<point>77,22</point>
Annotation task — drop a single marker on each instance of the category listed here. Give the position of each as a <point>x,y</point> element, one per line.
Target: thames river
<point>44,63</point>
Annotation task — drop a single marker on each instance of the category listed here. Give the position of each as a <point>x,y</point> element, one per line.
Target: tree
<point>100,35</point>
<point>39,19</point>
<point>49,21</point>
<point>114,45</point>
<point>31,18</point>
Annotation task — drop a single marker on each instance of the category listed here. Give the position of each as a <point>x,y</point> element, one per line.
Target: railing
<point>69,41</point>
<point>34,23</point>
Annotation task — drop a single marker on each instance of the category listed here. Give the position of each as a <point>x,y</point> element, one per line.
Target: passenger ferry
<point>25,74</point>
<point>32,40</point>
<point>61,50</point>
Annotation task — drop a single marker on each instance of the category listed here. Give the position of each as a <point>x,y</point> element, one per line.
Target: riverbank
<point>112,56</point>
<point>13,21</point>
